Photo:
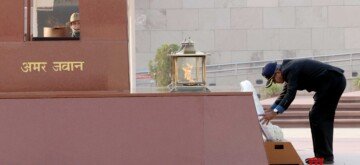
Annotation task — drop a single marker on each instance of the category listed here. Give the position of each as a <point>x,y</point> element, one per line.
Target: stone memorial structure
<point>66,101</point>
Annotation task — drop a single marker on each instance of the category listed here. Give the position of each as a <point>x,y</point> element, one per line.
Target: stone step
<point>306,107</point>
<point>300,123</point>
<point>305,115</point>
<point>350,99</point>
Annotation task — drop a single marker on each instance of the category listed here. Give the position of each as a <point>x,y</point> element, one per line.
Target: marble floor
<point>346,144</point>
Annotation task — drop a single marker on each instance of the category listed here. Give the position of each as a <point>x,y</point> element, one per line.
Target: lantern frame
<point>186,56</point>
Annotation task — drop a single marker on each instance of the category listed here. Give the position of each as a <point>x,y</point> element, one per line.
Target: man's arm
<point>285,99</point>
<point>270,113</point>
<point>290,92</point>
<point>281,96</point>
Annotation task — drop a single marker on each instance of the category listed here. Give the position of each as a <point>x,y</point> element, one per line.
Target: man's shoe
<point>316,160</point>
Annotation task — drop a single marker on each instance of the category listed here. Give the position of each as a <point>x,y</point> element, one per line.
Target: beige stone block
<point>286,54</point>
<point>282,17</point>
<point>262,3</point>
<point>352,38</point>
<point>328,38</point>
<point>304,53</point>
<point>309,17</point>
<point>218,57</point>
<point>204,40</point>
<point>323,52</point>
<point>246,18</point>
<point>294,2</point>
<point>142,4</point>
<point>141,19</point>
<point>230,40</point>
<point>295,38</point>
<point>198,4</point>
<point>351,2</point>
<point>257,56</point>
<point>228,81</point>
<point>146,19</point>
<point>165,4</point>
<point>156,19</point>
<point>244,56</point>
<point>327,2</point>
<point>142,39</point>
<point>343,16</point>
<point>225,57</point>
<point>214,18</point>
<point>267,39</point>
<point>161,37</point>
<point>230,3</point>
<point>273,55</point>
<point>185,19</point>
<point>143,59</point>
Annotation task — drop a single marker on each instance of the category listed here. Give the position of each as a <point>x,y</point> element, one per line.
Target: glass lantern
<point>188,69</point>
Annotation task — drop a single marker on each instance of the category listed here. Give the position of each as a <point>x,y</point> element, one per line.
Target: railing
<point>250,67</point>
<point>252,70</point>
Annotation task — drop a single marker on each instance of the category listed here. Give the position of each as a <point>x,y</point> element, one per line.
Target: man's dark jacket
<point>303,74</point>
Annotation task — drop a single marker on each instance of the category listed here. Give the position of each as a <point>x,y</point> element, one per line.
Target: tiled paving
<point>346,144</point>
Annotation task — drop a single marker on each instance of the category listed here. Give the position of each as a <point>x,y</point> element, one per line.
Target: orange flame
<point>187,72</point>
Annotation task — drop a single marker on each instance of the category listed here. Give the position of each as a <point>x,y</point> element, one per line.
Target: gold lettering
<point>26,67</point>
<point>33,66</point>
<point>56,66</point>
<point>61,66</point>
<point>68,66</point>
<point>79,65</point>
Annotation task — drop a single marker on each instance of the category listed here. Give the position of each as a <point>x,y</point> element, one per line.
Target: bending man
<point>327,81</point>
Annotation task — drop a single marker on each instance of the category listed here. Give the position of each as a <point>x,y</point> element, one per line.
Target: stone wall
<point>248,30</point>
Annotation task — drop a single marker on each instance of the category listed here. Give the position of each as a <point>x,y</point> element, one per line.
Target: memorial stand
<point>281,153</point>
<point>278,150</point>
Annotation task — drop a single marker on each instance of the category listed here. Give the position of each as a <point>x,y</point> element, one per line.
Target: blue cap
<point>268,72</point>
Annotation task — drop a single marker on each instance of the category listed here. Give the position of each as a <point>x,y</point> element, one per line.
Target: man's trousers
<point>322,115</point>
